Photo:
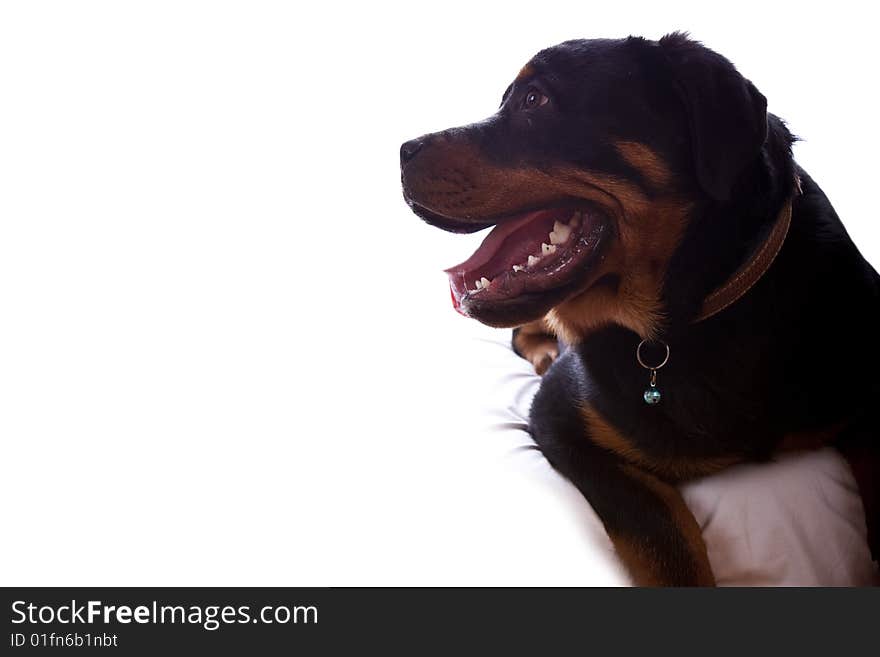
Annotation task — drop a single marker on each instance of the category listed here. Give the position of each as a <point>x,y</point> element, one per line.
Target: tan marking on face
<point>604,434</point>
<point>645,160</point>
<point>648,231</point>
<point>525,72</point>
<point>453,179</point>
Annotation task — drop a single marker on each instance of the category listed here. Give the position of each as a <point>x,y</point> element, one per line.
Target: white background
<point>227,352</point>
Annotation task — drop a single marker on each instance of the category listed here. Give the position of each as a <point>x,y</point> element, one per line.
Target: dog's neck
<point>722,238</point>
<point>751,271</point>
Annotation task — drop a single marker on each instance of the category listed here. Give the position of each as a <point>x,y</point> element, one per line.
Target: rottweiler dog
<point>710,305</point>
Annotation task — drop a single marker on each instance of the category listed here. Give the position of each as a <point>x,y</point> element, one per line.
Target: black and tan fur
<point>677,148</point>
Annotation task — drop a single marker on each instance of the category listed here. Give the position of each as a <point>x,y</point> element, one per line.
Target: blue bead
<point>652,396</point>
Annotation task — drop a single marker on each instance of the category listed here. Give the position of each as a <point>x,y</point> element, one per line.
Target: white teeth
<point>560,233</point>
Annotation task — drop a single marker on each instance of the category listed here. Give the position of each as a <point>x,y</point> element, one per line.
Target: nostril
<point>409,150</point>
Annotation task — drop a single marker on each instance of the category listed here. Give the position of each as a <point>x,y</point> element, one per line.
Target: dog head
<point>589,171</point>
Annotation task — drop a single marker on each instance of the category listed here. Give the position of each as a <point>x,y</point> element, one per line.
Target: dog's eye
<point>533,99</point>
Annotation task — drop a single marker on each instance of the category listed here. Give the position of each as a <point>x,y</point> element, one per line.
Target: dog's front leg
<point>653,531</point>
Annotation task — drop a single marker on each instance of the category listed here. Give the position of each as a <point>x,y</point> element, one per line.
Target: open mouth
<point>529,254</point>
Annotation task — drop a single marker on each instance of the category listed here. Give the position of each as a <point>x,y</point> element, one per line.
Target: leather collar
<point>754,268</point>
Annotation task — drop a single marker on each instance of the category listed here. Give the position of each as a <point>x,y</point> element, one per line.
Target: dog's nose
<point>410,149</point>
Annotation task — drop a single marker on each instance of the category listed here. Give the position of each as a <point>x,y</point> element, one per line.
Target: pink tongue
<point>532,228</point>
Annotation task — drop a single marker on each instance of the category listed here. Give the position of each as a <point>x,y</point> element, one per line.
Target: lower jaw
<point>513,312</point>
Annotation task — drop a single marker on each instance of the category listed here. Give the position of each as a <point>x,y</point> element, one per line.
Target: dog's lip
<point>449,224</point>
<point>512,240</point>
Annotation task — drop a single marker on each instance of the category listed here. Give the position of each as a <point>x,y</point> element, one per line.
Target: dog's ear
<point>727,115</point>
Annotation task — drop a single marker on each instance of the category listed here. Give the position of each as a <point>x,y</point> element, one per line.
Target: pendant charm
<point>652,393</point>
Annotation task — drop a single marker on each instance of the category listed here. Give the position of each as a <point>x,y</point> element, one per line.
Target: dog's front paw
<point>543,355</point>
<point>536,344</point>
